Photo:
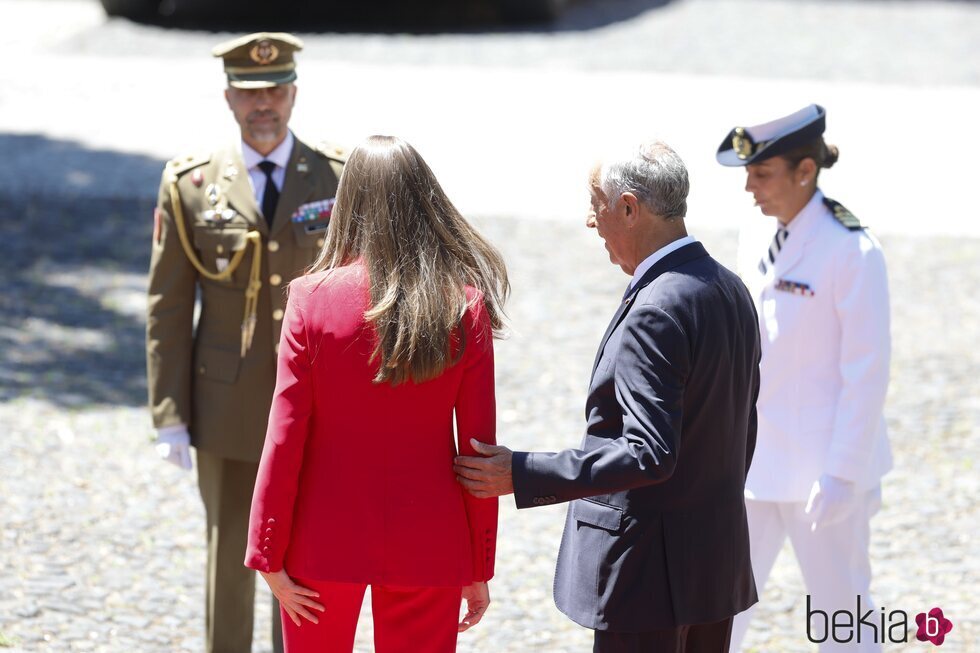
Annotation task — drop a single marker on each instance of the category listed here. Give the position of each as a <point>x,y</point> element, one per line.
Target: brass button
<point>220,249</point>
<point>319,242</point>
<point>275,280</point>
<point>273,245</point>
<point>202,369</point>
<point>277,314</point>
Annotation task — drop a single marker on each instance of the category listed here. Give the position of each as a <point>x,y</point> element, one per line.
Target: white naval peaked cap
<point>745,145</point>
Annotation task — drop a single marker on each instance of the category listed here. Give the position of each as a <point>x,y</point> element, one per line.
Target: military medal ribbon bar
<point>314,210</point>
<point>795,287</point>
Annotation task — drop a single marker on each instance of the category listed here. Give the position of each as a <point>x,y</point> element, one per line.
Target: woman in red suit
<point>388,336</point>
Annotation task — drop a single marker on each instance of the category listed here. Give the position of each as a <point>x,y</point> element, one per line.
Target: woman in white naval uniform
<point>821,292</point>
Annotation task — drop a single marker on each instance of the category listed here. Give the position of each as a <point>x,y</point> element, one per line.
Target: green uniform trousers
<point>226,489</point>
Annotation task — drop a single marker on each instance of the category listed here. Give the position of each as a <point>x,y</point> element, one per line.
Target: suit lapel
<point>297,188</point>
<point>620,312</point>
<point>806,226</point>
<point>241,197</point>
<point>669,262</point>
<point>790,255</point>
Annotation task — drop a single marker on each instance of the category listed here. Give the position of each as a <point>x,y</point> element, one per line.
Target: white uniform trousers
<point>834,561</point>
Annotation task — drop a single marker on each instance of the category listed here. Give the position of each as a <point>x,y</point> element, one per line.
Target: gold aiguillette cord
<point>254,277</point>
<point>252,293</point>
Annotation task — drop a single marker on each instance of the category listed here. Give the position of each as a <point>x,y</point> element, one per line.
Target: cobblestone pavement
<point>101,544</point>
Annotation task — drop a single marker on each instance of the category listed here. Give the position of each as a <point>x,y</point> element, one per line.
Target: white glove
<point>174,445</point>
<point>831,500</point>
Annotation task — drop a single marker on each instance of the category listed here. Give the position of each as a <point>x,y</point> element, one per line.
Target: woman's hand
<point>295,599</point>
<point>477,597</point>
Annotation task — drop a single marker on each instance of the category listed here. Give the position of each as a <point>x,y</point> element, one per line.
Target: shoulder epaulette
<point>332,151</point>
<point>842,215</point>
<point>182,164</point>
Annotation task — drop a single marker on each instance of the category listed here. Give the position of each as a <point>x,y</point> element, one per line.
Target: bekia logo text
<point>844,626</point>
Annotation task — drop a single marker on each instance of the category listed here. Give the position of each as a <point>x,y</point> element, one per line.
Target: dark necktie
<point>270,198</point>
<point>774,247</point>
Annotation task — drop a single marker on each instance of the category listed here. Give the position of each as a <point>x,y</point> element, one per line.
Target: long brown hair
<point>420,254</point>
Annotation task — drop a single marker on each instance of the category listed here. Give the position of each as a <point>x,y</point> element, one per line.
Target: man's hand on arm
<point>174,445</point>
<point>488,475</point>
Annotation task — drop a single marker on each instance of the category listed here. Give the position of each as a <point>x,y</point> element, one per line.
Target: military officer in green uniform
<point>235,225</point>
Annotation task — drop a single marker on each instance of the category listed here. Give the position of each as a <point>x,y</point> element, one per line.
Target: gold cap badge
<point>264,52</point>
<point>742,143</point>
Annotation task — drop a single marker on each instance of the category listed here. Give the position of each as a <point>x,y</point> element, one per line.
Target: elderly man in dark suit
<point>655,553</point>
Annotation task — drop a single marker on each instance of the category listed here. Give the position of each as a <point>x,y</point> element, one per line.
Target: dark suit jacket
<point>662,540</point>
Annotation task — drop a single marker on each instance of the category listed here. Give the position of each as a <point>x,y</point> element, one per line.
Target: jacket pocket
<point>596,514</point>
<point>219,241</point>
<point>310,234</point>
<point>217,246</point>
<point>217,364</point>
<point>309,237</point>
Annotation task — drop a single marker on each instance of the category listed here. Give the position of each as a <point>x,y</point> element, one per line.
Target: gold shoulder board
<point>842,215</point>
<point>182,164</point>
<point>336,156</point>
<point>332,151</point>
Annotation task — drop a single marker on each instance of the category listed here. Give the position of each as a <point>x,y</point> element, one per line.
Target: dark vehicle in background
<point>510,11</point>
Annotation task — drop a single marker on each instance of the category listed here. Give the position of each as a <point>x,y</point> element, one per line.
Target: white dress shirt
<point>649,261</point>
<point>279,156</point>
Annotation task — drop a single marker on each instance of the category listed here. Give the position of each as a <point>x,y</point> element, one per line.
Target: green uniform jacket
<point>196,373</point>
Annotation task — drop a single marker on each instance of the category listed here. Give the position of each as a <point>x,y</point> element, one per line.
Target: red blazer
<point>356,481</point>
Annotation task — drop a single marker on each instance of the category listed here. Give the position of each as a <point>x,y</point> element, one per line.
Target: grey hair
<point>655,174</point>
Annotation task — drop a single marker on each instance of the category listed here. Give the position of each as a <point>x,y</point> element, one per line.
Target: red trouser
<point>406,619</point>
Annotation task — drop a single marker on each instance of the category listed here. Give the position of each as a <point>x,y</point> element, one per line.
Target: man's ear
<point>632,206</point>
<point>228,97</point>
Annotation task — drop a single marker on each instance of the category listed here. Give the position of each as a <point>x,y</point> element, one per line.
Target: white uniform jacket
<point>824,318</point>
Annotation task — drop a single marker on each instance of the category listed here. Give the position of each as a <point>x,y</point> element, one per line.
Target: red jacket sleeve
<point>476,417</point>
<point>270,522</point>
